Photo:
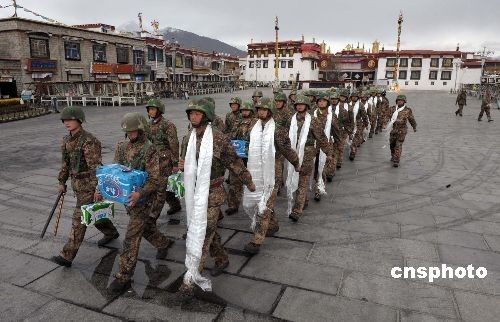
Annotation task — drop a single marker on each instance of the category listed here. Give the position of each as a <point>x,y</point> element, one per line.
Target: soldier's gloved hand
<point>97,196</point>
<point>251,187</point>
<point>297,168</point>
<point>62,188</point>
<point>329,158</point>
<point>181,164</point>
<point>414,130</point>
<point>133,199</point>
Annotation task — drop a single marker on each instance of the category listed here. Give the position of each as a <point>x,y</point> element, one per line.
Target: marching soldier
<point>218,122</point>
<point>305,131</point>
<point>378,109</point>
<point>240,132</point>
<point>359,119</point>
<point>461,101</point>
<point>291,99</point>
<point>233,117</point>
<point>485,106</point>
<point>385,112</point>
<point>256,96</point>
<point>282,116</point>
<point>208,149</point>
<point>341,117</point>
<point>373,116</point>
<point>138,153</point>
<point>81,155</point>
<point>163,134</point>
<point>397,127</point>
<point>311,95</point>
<point>266,221</point>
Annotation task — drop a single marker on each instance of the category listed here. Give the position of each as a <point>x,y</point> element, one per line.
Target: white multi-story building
<point>295,59</point>
<point>420,69</point>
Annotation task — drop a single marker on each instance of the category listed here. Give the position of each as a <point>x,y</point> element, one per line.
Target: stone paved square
<point>440,206</point>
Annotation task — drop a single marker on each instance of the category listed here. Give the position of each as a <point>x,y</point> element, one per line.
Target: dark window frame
<point>138,59</point>
<point>436,60</point>
<point>151,53</point>
<point>433,72</point>
<point>95,52</point>
<point>33,51</point>
<point>283,64</point>
<point>67,45</point>
<point>401,60</point>
<point>413,72</point>
<point>391,72</point>
<point>120,51</point>
<point>445,72</point>
<point>290,64</point>
<point>405,74</point>
<point>393,64</point>
<point>159,55</point>
<point>265,63</point>
<point>447,59</point>
<point>414,62</point>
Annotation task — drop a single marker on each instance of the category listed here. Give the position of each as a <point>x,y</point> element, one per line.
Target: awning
<point>101,76</point>
<point>74,71</point>
<point>40,75</point>
<point>123,76</point>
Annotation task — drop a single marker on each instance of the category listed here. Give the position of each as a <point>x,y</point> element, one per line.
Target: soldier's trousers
<point>268,220</point>
<point>278,171</point>
<point>140,225</point>
<point>460,109</point>
<point>484,110</point>
<point>235,194</point>
<point>301,193</point>
<point>356,141</point>
<point>380,120</point>
<point>212,244</point>
<point>331,166</point>
<point>373,123</point>
<point>340,148</point>
<point>77,233</point>
<point>396,143</point>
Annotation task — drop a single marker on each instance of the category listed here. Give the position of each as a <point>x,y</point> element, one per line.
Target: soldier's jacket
<point>316,135</point>
<point>218,122</point>
<point>283,116</point>
<point>140,155</point>
<point>343,121</point>
<point>322,118</point>
<point>81,155</point>
<point>232,120</point>
<point>361,117</point>
<point>281,143</point>
<point>461,99</point>
<point>384,107</point>
<point>163,134</point>
<point>399,127</point>
<point>224,157</point>
<point>370,111</point>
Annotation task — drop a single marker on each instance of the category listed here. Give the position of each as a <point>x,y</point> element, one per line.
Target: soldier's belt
<point>84,175</point>
<point>216,183</point>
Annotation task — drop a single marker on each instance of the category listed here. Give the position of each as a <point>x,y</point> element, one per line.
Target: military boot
<point>174,209</point>
<point>218,269</point>
<point>317,197</point>
<point>61,261</point>
<point>294,216</point>
<point>162,253</point>
<point>231,211</point>
<point>252,248</point>
<point>119,286</point>
<point>107,239</point>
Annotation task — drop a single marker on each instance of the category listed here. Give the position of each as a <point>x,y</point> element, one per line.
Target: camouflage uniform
<point>232,118</point>
<point>163,135</point>
<point>81,155</point>
<point>378,110</point>
<point>218,123</point>
<point>485,107</point>
<point>282,117</point>
<point>316,135</point>
<point>240,132</point>
<point>385,112</point>
<point>399,130</point>
<point>224,158</point>
<point>461,101</point>
<point>345,128</point>
<point>141,155</point>
<point>372,115</point>
<point>361,122</point>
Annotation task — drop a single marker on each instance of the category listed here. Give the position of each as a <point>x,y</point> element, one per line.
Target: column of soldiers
<point>311,132</point>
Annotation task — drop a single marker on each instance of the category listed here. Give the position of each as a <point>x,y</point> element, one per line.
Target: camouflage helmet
<point>247,106</point>
<point>322,96</point>
<point>374,90</point>
<point>334,95</point>
<point>302,99</point>
<point>344,92</point>
<point>292,92</point>
<point>154,102</point>
<point>267,104</point>
<point>355,94</point>
<point>401,97</point>
<point>310,92</point>
<point>257,94</point>
<point>73,113</point>
<point>280,97</point>
<point>210,99</point>
<point>365,94</point>
<point>133,122</point>
<point>235,100</point>
<point>204,106</point>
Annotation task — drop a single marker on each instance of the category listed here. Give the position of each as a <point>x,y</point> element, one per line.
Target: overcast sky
<point>428,24</point>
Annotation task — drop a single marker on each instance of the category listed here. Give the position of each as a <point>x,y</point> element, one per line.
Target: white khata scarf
<point>298,144</point>
<point>370,100</point>
<point>346,107</point>
<point>367,129</point>
<point>261,159</point>
<point>394,117</point>
<point>355,111</point>
<point>322,155</point>
<point>197,185</point>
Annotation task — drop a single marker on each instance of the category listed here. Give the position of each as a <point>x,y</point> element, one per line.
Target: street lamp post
<point>457,64</point>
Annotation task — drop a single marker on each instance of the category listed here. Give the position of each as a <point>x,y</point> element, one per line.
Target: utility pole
<point>395,85</point>
<point>276,53</point>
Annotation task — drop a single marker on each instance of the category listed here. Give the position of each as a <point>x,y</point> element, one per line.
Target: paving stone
<point>230,314</point>
<point>302,305</point>
<point>281,247</point>
<point>480,227</point>
<point>17,303</point>
<point>73,285</point>
<point>367,226</point>
<point>16,241</point>
<point>31,267</point>
<point>355,259</point>
<point>464,256</point>
<point>399,293</point>
<point>137,310</point>
<point>402,247</point>
<point>58,311</point>
<point>451,237</point>
<point>493,242</point>
<point>477,307</point>
<point>295,273</point>
<point>255,295</point>
<point>420,317</point>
